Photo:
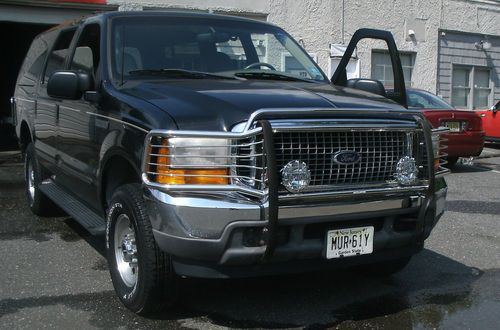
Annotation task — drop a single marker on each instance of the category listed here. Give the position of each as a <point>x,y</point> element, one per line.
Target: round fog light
<point>295,176</point>
<point>406,171</point>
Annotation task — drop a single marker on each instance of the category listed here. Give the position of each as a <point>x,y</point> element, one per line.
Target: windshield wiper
<point>268,76</point>
<point>177,73</point>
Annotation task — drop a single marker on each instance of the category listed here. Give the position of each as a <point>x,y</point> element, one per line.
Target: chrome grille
<point>379,151</point>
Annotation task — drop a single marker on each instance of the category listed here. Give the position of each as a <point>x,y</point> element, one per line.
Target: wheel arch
<point>25,136</point>
<point>118,169</point>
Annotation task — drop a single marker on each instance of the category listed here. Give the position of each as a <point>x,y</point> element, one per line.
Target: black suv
<point>213,146</point>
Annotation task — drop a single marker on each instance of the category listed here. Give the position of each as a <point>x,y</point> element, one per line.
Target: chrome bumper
<point>210,228</point>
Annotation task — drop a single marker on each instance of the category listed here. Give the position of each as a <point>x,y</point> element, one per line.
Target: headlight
<point>198,152</point>
<point>186,160</point>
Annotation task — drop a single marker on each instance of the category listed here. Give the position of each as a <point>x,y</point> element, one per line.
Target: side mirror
<point>367,85</point>
<point>496,107</point>
<point>66,84</point>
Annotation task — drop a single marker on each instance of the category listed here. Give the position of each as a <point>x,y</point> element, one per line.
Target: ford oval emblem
<point>346,157</point>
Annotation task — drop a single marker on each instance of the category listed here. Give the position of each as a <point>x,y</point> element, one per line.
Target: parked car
<point>190,143</point>
<point>466,135</point>
<point>491,122</point>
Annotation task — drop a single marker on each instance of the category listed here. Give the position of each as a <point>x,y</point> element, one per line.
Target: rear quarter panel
<point>467,143</point>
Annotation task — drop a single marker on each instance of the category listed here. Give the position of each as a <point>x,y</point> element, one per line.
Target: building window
<point>291,65</point>
<point>471,87</point>
<point>461,87</point>
<point>482,88</point>
<point>382,67</point>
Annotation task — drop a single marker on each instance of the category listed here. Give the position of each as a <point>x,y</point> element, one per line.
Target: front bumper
<point>224,235</point>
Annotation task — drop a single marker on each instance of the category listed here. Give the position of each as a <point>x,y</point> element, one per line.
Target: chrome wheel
<point>30,177</point>
<point>126,250</point>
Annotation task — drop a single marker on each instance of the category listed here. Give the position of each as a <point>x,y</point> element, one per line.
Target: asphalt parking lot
<point>54,275</point>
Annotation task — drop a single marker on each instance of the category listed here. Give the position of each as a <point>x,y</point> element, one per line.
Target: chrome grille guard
<point>281,120</point>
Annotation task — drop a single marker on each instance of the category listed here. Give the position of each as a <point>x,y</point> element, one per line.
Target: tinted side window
<point>35,59</point>
<point>86,56</point>
<point>58,54</point>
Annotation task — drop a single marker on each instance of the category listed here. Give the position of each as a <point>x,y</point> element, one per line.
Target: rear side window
<point>35,59</point>
<point>58,54</point>
<point>425,100</point>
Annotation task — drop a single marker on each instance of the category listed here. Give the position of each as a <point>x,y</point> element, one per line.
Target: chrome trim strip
<point>441,171</point>
<point>350,193</point>
<point>352,128</point>
<point>352,187</point>
<point>13,110</point>
<point>207,166</point>
<point>23,99</point>
<point>205,176</point>
<point>211,134</point>
<point>206,156</point>
<point>327,111</point>
<point>208,187</point>
<point>342,124</point>
<point>69,108</point>
<point>194,201</point>
<point>303,211</point>
<point>118,121</point>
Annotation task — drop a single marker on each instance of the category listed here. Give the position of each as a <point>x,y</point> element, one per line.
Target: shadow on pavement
<point>327,299</point>
<point>432,289</point>
<point>473,207</point>
<point>460,168</point>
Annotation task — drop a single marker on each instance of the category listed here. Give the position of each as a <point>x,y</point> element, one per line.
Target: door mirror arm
<point>91,96</point>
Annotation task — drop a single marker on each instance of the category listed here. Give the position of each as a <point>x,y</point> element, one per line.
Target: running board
<point>90,220</point>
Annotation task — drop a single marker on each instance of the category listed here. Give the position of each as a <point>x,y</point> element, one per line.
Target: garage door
<point>20,22</point>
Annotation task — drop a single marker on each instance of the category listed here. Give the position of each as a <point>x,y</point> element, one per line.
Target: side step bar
<point>90,220</point>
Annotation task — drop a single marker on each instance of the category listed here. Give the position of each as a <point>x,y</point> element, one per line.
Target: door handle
<point>101,123</point>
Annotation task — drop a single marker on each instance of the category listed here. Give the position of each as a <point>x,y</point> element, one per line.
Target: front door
<point>79,153</point>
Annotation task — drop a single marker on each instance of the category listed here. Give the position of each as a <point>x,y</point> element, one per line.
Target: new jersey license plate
<point>349,242</point>
<point>454,126</point>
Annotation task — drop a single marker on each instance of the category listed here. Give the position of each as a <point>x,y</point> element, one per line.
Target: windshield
<point>425,100</point>
<point>158,47</point>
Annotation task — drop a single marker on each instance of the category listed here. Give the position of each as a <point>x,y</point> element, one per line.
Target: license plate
<point>349,242</point>
<point>454,126</point>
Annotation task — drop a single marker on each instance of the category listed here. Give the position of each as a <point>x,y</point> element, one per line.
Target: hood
<point>208,104</point>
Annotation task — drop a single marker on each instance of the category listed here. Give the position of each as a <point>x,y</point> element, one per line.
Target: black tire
<point>155,285</point>
<point>384,269</point>
<point>38,202</point>
<point>452,161</point>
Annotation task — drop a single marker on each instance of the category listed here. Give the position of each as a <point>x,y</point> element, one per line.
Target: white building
<point>450,47</point>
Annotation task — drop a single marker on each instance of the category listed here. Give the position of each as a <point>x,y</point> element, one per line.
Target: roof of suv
<point>152,13</point>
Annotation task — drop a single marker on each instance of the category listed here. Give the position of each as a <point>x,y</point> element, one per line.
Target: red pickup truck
<point>491,122</point>
<point>466,136</point>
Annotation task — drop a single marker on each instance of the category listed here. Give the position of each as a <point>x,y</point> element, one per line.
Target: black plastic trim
<point>273,186</point>
<point>340,76</point>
